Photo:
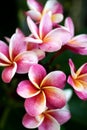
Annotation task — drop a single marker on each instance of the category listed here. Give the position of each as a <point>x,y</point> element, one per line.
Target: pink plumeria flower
<point>37,11</point>
<point>14,57</point>
<point>41,90</point>
<point>78,80</point>
<point>50,119</point>
<point>48,39</point>
<point>77,44</point>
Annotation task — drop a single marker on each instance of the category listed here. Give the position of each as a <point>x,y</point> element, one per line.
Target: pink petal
<point>34,5</point>
<point>9,72</point>
<point>26,90</point>
<point>57,18</point>
<point>55,97</point>
<point>25,60</point>
<point>32,122</point>
<point>4,48</point>
<point>69,24</point>
<point>59,34</point>
<point>40,54</point>
<point>82,94</point>
<point>4,61</point>
<point>55,78</point>
<point>78,41</point>
<point>35,15</point>
<point>45,25</point>
<point>72,68</point>
<point>17,44</point>
<point>33,27</point>
<point>82,70</point>
<point>51,45</point>
<point>54,6</point>
<point>61,115</point>
<point>36,74</point>
<point>35,105</point>
<point>49,123</point>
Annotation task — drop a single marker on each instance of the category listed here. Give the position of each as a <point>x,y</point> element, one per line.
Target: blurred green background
<point>11,105</point>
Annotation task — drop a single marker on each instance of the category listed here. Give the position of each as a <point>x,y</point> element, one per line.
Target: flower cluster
<point>45,97</point>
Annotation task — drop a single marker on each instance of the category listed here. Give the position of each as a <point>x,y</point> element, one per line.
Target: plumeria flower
<point>77,44</point>
<point>14,57</point>
<point>37,11</point>
<point>42,90</point>
<point>78,80</point>
<point>48,39</point>
<point>50,119</point>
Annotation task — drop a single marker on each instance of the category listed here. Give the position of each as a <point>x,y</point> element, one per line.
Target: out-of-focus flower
<point>50,119</point>
<point>14,57</point>
<point>34,47</point>
<point>37,11</point>
<point>48,39</point>
<point>42,90</point>
<point>77,44</point>
<point>78,80</point>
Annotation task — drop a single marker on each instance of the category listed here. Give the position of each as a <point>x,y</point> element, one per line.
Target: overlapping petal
<point>31,121</point>
<point>55,97</point>
<point>49,123</point>
<point>61,115</point>
<point>24,60</point>
<point>35,105</point>
<point>17,44</point>
<point>55,78</point>
<point>36,74</point>
<point>26,89</point>
<point>9,72</point>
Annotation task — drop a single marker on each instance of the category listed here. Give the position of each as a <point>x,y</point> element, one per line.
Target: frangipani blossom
<point>37,11</point>
<point>48,39</point>
<point>77,44</point>
<point>78,80</point>
<point>50,119</point>
<point>14,57</point>
<point>42,90</point>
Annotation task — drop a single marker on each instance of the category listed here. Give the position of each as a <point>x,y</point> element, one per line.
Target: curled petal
<point>35,105</point>
<point>32,122</point>
<point>26,90</point>
<point>24,61</point>
<point>9,72</point>
<point>55,97</point>
<point>82,70</point>
<point>55,78</point>
<point>49,123</point>
<point>36,74</point>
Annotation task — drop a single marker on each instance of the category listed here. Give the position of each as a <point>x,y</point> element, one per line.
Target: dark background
<point>11,106</point>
